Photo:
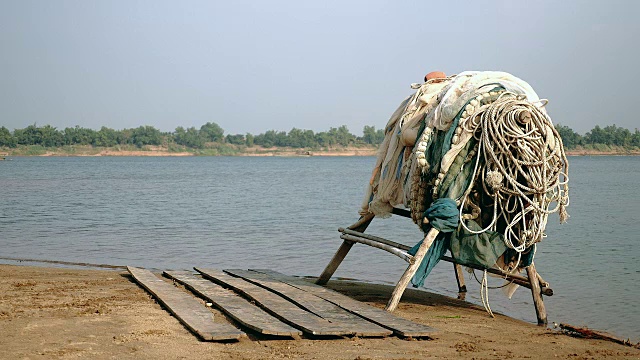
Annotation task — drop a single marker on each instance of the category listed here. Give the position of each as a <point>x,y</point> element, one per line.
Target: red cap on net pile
<point>435,75</point>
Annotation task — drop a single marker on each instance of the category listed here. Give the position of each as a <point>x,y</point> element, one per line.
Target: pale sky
<point>253,66</point>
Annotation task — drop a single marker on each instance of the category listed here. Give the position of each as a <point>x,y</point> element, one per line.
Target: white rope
<point>524,169</point>
<point>484,294</point>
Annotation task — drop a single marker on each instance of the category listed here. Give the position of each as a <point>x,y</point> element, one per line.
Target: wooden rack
<point>355,234</point>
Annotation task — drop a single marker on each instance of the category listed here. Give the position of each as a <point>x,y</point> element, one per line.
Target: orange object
<point>435,75</point>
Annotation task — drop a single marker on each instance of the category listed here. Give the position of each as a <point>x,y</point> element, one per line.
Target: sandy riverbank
<point>57,313</point>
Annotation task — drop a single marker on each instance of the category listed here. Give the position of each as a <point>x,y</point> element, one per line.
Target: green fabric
<point>480,249</point>
<point>460,173</point>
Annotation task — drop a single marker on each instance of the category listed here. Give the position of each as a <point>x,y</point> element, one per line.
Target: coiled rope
<point>524,168</point>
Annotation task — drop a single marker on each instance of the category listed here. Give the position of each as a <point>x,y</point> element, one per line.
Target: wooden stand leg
<point>411,270</point>
<point>360,226</point>
<point>462,288</point>
<point>541,312</point>
<point>335,262</point>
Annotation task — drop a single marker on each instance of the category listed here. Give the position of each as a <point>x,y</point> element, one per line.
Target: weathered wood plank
<point>278,306</point>
<point>234,306</point>
<point>186,308</point>
<point>398,325</point>
<point>313,303</point>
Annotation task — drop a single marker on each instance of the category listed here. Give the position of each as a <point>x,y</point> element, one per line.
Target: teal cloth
<point>443,215</point>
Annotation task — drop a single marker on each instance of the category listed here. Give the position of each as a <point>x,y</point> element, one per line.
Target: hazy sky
<point>261,65</point>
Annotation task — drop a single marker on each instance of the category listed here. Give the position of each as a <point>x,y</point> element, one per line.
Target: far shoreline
<point>255,151</point>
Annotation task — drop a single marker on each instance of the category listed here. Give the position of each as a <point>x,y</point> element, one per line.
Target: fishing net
<point>484,142</point>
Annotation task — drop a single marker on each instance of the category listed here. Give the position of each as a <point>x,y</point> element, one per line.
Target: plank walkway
<point>186,308</point>
<point>314,304</point>
<point>398,325</point>
<point>236,307</point>
<point>280,307</point>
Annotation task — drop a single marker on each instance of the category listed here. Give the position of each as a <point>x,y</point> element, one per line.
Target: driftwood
<point>591,334</point>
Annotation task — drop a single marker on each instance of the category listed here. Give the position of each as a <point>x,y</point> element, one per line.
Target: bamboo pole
<point>360,225</point>
<point>393,250</point>
<point>541,312</point>
<point>375,238</point>
<point>515,278</point>
<point>411,270</point>
<point>462,288</point>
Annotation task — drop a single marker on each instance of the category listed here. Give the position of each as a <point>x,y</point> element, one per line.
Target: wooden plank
<point>234,306</point>
<point>398,325</point>
<point>186,308</point>
<point>315,304</point>
<point>278,306</point>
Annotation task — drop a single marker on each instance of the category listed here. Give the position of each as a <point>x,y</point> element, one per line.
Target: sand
<point>60,313</point>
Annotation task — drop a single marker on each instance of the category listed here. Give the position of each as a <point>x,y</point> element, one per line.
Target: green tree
<point>212,132</point>
<point>237,139</point>
<point>570,138</point>
<point>106,137</point>
<point>342,135</point>
<point>372,136</point>
<point>635,138</point>
<point>50,137</point>
<point>325,139</point>
<point>296,138</point>
<point>27,136</point>
<point>596,136</point>
<point>249,140</point>
<point>146,135</point>
<point>190,137</point>
<point>78,136</point>
<point>6,138</point>
<point>268,139</point>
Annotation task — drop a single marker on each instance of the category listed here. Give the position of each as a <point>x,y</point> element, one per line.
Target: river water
<point>283,213</point>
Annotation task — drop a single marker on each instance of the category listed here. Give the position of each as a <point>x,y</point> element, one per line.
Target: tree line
<point>208,134</point>
<point>211,134</point>
<point>611,135</point>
